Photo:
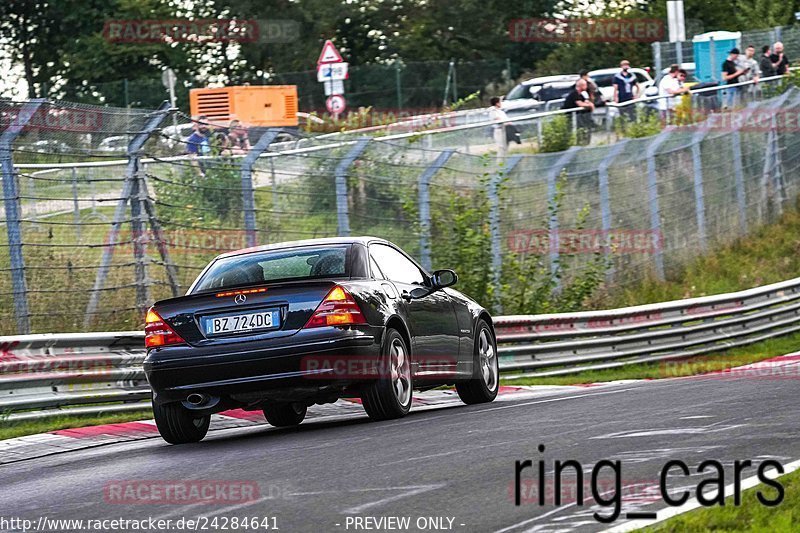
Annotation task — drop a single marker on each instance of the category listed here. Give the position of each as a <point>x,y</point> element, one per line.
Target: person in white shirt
<point>499,117</point>
<point>669,87</point>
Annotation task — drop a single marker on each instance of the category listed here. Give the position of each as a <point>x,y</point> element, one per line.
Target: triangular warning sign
<point>329,54</point>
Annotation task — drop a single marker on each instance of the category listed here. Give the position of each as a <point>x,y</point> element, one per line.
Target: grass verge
<point>768,255</point>
<point>751,515</point>
<point>11,429</point>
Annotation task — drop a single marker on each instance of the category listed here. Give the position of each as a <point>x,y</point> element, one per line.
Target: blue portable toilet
<point>710,50</point>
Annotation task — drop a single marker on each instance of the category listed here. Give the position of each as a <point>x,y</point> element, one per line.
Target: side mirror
<point>443,278</point>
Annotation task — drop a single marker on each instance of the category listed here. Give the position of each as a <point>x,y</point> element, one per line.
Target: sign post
<point>331,72</point>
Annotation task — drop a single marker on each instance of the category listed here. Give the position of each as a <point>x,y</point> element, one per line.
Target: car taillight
<point>158,333</point>
<point>337,309</point>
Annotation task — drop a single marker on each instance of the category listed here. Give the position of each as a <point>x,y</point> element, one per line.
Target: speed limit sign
<point>335,104</point>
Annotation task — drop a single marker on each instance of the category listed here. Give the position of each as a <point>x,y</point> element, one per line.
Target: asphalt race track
<point>453,462</point>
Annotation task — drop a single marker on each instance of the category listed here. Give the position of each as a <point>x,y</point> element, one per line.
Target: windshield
<point>549,93</point>
<point>520,91</point>
<point>276,265</point>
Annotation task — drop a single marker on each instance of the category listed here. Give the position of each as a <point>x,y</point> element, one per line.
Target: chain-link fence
<point>89,243</point>
<point>666,53</point>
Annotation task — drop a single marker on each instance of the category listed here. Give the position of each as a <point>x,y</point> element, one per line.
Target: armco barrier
<point>41,373</point>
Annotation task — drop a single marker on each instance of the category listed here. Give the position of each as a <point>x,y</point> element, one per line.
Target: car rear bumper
<point>301,366</point>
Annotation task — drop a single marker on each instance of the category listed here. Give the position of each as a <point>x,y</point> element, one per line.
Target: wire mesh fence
<point>667,53</point>
<point>90,242</point>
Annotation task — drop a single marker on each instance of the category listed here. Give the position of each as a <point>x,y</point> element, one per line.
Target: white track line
<point>692,504</point>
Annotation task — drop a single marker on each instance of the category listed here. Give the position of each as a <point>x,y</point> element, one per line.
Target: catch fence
<point>91,242</point>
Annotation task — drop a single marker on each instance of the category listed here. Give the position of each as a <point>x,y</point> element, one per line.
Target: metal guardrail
<point>41,374</point>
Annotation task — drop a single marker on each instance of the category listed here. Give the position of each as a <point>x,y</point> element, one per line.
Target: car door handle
<point>405,295</point>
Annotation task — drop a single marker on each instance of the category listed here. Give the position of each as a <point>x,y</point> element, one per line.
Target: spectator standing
<point>591,88</point>
<point>581,98</point>
<point>779,59</point>
<point>626,89</point>
<point>730,75</point>
<point>668,88</point>
<point>199,142</point>
<point>237,139</point>
<point>765,64</point>
<point>752,71</point>
<point>499,117</point>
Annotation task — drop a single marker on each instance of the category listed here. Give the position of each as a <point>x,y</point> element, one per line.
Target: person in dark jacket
<point>779,59</point>
<point>765,63</point>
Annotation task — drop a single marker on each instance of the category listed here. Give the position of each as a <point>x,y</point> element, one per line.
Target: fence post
<point>699,196</point>
<point>652,196</point>
<point>678,53</point>
<point>76,211</point>
<point>552,189</point>
<point>340,175</point>
<point>424,207</point>
<point>139,239</point>
<point>248,192</point>
<point>770,175</point>
<point>738,175</point>
<point>14,213</point>
<point>605,198</point>
<point>158,237</point>
<point>494,220</point>
<point>778,34</point>
<point>657,57</point>
<point>131,175</point>
<point>399,87</point>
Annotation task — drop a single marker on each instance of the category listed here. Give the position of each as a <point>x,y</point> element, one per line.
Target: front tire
<point>483,387</point>
<point>178,425</point>
<point>283,415</point>
<point>390,396</point>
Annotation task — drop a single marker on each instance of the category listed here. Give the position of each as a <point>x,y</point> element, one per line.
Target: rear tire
<point>178,425</point>
<point>283,415</point>
<point>483,387</point>
<point>390,396</point>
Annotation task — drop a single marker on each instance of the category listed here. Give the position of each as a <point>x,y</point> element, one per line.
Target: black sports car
<point>281,327</point>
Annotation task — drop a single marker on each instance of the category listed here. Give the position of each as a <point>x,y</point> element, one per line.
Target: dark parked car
<point>281,327</point>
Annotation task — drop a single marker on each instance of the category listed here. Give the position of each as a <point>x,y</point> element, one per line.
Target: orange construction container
<point>256,105</point>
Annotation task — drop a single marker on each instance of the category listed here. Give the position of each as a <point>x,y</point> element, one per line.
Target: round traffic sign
<point>335,104</point>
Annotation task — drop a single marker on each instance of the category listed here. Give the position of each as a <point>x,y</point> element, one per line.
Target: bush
<point>645,124</point>
<point>557,135</point>
<point>190,196</point>
<point>527,285</point>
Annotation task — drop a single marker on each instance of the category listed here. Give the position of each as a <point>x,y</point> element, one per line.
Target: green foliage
<point>644,125</point>
<point>464,229</point>
<point>527,284</point>
<point>763,14</point>
<point>213,198</point>
<point>557,134</point>
<point>774,89</point>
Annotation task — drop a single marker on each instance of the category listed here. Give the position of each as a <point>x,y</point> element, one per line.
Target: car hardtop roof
<point>612,70</point>
<point>550,79</point>
<point>305,242</point>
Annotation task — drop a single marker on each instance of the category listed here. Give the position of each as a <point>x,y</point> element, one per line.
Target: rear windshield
<point>276,265</point>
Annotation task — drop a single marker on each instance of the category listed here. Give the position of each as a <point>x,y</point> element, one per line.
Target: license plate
<point>220,325</point>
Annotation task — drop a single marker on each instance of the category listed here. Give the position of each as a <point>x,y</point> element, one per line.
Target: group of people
<point>737,68</point>
<point>206,139</point>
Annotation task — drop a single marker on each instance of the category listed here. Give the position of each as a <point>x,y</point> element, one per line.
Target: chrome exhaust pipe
<point>197,400</point>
